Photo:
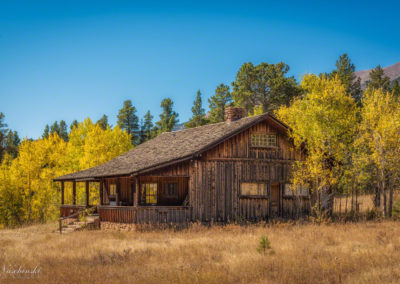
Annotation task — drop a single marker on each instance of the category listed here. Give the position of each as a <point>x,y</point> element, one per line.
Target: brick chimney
<point>234,113</point>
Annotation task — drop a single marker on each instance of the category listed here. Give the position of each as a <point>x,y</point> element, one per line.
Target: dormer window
<point>264,140</point>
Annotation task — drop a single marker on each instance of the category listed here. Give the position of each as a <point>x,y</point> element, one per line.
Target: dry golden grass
<point>348,253</point>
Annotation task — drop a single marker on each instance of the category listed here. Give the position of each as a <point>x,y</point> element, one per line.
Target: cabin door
<point>274,196</point>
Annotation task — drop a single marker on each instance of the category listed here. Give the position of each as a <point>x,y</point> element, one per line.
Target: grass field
<point>304,253</point>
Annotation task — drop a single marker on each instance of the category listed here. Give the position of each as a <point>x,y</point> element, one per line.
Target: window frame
<point>113,193</point>
<point>166,188</point>
<point>267,139</point>
<point>264,183</point>
<point>144,195</point>
<point>293,194</point>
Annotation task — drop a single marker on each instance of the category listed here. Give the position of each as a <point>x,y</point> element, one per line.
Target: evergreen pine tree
<point>103,122</point>
<point>146,129</point>
<point>168,117</point>
<point>73,124</point>
<point>3,131</point>
<point>218,102</point>
<point>55,128</point>
<point>378,79</point>
<point>345,70</point>
<point>198,112</point>
<point>12,143</point>
<point>63,130</point>
<point>128,120</point>
<point>46,132</point>
<point>264,84</point>
<point>396,88</point>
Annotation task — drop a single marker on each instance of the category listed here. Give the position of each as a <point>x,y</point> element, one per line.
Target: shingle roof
<point>167,148</point>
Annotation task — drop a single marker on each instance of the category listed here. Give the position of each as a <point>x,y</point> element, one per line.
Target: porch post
<point>87,194</point>
<point>117,195</point>
<point>74,192</point>
<point>136,200</point>
<point>101,192</point>
<point>62,192</point>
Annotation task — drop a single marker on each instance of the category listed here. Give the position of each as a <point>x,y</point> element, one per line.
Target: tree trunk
<point>383,189</point>
<point>352,200</point>
<point>377,199</point>
<point>327,200</point>
<point>357,208</point>
<point>390,201</point>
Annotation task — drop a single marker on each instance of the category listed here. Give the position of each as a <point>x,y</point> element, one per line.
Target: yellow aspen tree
<point>379,143</point>
<point>323,120</point>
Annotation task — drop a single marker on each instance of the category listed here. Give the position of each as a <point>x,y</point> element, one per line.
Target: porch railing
<point>145,214</point>
<point>67,210</point>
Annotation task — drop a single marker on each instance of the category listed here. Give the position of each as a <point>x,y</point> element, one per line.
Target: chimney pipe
<point>234,113</point>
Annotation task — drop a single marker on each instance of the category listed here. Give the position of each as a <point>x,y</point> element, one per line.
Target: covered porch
<point>138,199</point>
<point>67,210</point>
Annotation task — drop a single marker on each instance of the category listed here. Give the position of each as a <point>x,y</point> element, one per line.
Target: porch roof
<point>170,148</point>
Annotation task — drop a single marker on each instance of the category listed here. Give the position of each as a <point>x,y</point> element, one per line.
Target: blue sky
<point>75,59</point>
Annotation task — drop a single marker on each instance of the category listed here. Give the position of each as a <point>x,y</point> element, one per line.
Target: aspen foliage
<point>323,121</point>
<point>378,145</point>
<point>27,191</point>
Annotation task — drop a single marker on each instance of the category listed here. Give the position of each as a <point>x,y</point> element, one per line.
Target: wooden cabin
<point>239,169</point>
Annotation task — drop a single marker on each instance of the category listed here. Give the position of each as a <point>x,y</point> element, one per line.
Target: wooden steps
<point>90,222</point>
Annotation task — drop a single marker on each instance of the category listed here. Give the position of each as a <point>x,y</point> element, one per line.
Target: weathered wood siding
<point>239,146</point>
<point>125,185</point>
<point>254,209</point>
<point>181,169</point>
<point>145,214</point>
<point>215,178</point>
<point>118,214</point>
<point>161,181</point>
<point>295,207</point>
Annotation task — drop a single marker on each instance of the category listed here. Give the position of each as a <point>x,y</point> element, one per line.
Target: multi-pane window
<point>253,188</point>
<point>149,193</point>
<point>113,189</point>
<point>263,140</point>
<point>171,189</point>
<point>300,190</point>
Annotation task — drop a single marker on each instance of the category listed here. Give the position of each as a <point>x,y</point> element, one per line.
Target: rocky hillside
<point>393,72</point>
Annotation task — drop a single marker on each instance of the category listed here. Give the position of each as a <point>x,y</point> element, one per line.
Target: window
<point>301,190</point>
<point>149,193</point>
<point>253,189</point>
<point>113,189</point>
<point>171,190</point>
<point>263,140</point>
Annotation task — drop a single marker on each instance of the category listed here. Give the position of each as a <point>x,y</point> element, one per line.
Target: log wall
<point>125,189</point>
<point>162,199</point>
<point>215,178</point>
<point>294,208</point>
